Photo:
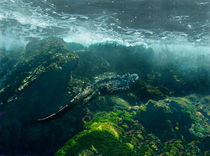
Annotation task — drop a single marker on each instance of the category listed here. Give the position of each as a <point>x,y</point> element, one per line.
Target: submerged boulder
<point>43,71</point>
<point>174,117</point>
<point>48,74</point>
<point>112,133</point>
<point>37,86</point>
<point>177,147</point>
<point>100,137</point>
<point>8,59</point>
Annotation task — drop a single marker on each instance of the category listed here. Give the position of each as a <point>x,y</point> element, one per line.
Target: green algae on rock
<point>157,116</point>
<point>47,59</point>
<point>103,136</point>
<point>8,59</point>
<point>112,133</point>
<point>177,147</point>
<point>173,117</point>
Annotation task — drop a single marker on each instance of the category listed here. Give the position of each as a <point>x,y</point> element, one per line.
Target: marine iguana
<point>108,85</point>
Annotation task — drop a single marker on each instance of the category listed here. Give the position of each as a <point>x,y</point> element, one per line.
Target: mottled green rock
<point>104,137</point>
<point>173,117</point>
<point>38,83</point>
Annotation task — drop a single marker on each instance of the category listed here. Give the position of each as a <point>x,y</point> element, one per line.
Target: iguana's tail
<point>56,115</point>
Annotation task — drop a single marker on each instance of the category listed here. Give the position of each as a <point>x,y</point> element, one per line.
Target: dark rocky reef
<point>8,60</point>
<point>36,85</point>
<point>174,117</point>
<point>165,113</point>
<point>49,65</point>
<point>156,128</point>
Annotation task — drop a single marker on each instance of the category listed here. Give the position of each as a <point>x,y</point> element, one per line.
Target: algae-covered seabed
<point>165,113</point>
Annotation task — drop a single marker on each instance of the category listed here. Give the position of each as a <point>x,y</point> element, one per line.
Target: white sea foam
<point>182,48</point>
<point>20,21</point>
<point>9,42</point>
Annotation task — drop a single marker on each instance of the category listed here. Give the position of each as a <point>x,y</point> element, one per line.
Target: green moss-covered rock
<point>146,91</point>
<point>145,120</point>
<point>37,86</point>
<point>173,117</point>
<point>163,127</point>
<point>177,147</point>
<point>104,137</point>
<point>91,64</point>
<point>116,128</point>
<point>47,63</point>
<point>8,59</point>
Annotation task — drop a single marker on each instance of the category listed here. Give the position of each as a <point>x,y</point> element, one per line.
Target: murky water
<point>166,42</point>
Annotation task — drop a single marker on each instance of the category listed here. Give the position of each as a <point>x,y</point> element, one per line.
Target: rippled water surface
<point>90,21</point>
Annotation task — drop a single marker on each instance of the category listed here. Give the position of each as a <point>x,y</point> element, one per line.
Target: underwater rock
<point>146,91</point>
<point>48,74</point>
<point>116,128</point>
<point>36,85</point>
<point>122,59</point>
<point>100,136</point>
<point>49,64</point>
<point>53,44</point>
<point>173,117</point>
<point>177,147</point>
<point>161,122</point>
<point>200,127</point>
<point>91,64</point>
<point>8,60</point>
<point>204,106</point>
